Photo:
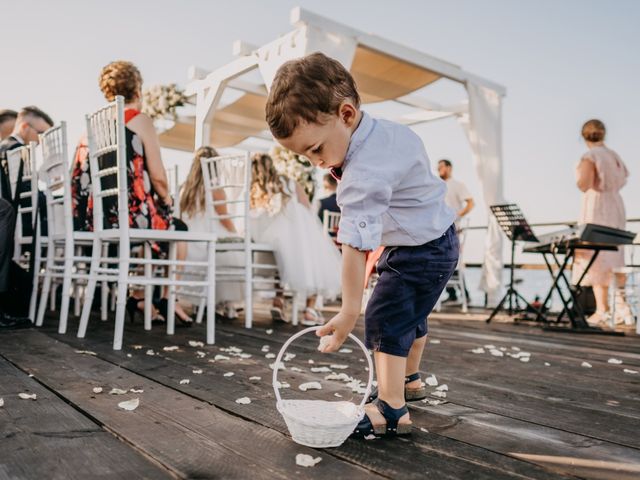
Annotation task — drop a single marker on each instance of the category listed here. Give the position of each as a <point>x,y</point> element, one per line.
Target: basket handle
<point>313,329</point>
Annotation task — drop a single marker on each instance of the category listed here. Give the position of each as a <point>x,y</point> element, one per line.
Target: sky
<point>562,62</point>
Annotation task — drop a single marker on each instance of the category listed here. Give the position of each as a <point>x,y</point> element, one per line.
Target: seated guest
<point>7,122</point>
<point>308,262</point>
<point>192,209</point>
<point>329,202</point>
<point>150,204</point>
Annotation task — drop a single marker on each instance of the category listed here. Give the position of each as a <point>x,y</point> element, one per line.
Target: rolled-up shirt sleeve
<point>362,202</point>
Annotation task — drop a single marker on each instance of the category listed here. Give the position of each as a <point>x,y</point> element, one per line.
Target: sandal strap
<point>391,415</point>
<point>412,378</point>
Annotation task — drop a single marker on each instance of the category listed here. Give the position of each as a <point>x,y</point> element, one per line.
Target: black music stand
<point>516,228</point>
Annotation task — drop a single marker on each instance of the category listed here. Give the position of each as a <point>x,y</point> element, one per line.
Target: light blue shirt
<point>387,194</point>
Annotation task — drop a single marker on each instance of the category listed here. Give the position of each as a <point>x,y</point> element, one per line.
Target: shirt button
<point>363,224</point>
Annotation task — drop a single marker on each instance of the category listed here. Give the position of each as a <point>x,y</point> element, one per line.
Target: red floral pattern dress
<point>145,209</point>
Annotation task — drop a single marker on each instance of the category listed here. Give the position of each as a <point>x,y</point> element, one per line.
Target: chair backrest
<point>107,161</point>
<point>330,222</point>
<point>23,178</point>
<point>55,174</point>
<point>174,189</point>
<point>232,175</point>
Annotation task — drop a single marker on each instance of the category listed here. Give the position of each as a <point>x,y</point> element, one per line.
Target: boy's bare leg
<point>413,360</point>
<point>390,372</point>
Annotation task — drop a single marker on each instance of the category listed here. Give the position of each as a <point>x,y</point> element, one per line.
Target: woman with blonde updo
<point>600,175</point>
<point>150,203</point>
<point>309,263</point>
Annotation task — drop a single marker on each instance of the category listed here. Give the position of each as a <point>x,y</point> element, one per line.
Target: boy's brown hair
<point>594,130</point>
<point>305,88</point>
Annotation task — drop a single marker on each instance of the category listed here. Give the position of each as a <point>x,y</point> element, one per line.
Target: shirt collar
<point>359,136</point>
<point>17,138</point>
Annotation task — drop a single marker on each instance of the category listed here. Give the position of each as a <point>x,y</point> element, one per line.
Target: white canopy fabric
<point>383,71</point>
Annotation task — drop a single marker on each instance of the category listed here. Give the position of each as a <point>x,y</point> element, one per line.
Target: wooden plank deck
<point>545,419</point>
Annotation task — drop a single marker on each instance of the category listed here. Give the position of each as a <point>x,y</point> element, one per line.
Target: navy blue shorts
<point>410,282</point>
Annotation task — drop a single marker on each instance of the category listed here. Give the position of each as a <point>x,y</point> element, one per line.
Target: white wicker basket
<point>319,423</point>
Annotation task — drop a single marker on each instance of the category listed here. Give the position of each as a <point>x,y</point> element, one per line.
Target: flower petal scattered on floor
<point>296,369</point>
<point>137,347</point>
<point>280,366</point>
<point>129,355</point>
<point>614,361</point>
<point>422,429</point>
<point>86,352</point>
<point>243,401</point>
<point>496,353</point>
<point>1,402</point>
<point>431,381</point>
<point>439,394</point>
<point>136,390</point>
<point>320,369</point>
<point>478,350</point>
<point>150,352</point>
<point>185,381</point>
<point>97,389</point>
<point>337,395</point>
<point>221,357</point>
<point>265,348</point>
<point>345,350</point>
<point>629,371</point>
<point>289,356</point>
<point>269,331</point>
<point>310,386</point>
<point>195,343</point>
<point>197,371</point>
<point>171,348</point>
<point>443,388</point>
<point>304,460</point>
<point>525,359</point>
<point>370,437</point>
<point>129,405</point>
<point>282,385</point>
<point>547,364</point>
<point>270,355</point>
<point>27,396</point>
<point>201,354</point>
<point>255,379</point>
<point>338,366</point>
<point>435,342</point>
<point>585,365</point>
<point>117,391</point>
<point>229,374</point>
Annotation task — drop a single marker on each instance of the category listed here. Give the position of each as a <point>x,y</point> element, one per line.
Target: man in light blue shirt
<point>388,196</point>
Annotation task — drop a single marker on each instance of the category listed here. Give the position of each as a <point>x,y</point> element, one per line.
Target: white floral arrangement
<point>161,101</point>
<point>296,167</point>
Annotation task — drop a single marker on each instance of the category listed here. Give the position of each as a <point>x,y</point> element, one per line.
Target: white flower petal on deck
<point>439,394</point>
<point>270,355</point>
<point>117,391</point>
<point>244,355</point>
<point>345,350</point>
<point>478,350</point>
<point>221,357</point>
<point>435,342</point>
<point>496,353</point>
<point>433,403</point>
<point>228,374</point>
<point>129,355</point>
<point>310,362</point>
<point>86,352</point>
<point>265,348</point>
<point>137,347</point>
<point>320,369</point>
<point>255,379</point>
<point>503,349</point>
<point>289,356</point>
<point>296,369</point>
<point>27,396</point>
<point>337,395</point>
<point>629,371</point>
<point>443,388</point>
<point>1,402</point>
<point>304,460</point>
<point>280,366</point>
<point>282,385</point>
<point>324,341</point>
<point>310,386</point>
<point>195,343</point>
<point>129,405</point>
<point>269,331</point>
<point>97,389</point>
<point>185,381</point>
<point>525,359</point>
<point>150,352</point>
<point>370,437</point>
<point>585,365</point>
<point>422,429</point>
<point>200,354</point>
<point>614,361</point>
<point>517,349</point>
<point>197,371</point>
<point>431,381</point>
<point>136,390</point>
<point>338,366</point>
<point>547,364</point>
<point>243,401</point>
<point>171,348</point>
<point>490,347</point>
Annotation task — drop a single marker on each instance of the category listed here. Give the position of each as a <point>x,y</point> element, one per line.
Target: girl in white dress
<point>309,263</point>
<point>192,209</point>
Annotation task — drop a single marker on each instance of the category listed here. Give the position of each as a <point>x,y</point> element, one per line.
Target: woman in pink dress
<point>600,175</point>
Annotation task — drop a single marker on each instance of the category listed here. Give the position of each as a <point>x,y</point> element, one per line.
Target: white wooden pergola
<point>384,71</point>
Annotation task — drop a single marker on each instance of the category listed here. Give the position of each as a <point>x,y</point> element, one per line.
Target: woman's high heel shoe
<point>162,306</point>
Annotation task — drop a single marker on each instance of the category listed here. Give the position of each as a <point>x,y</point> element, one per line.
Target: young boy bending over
<point>388,196</point>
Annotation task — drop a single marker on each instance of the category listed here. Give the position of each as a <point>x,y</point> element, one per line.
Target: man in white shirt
<point>458,196</point>
<point>460,200</point>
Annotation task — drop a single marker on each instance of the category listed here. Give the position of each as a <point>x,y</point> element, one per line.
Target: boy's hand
<point>338,328</point>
